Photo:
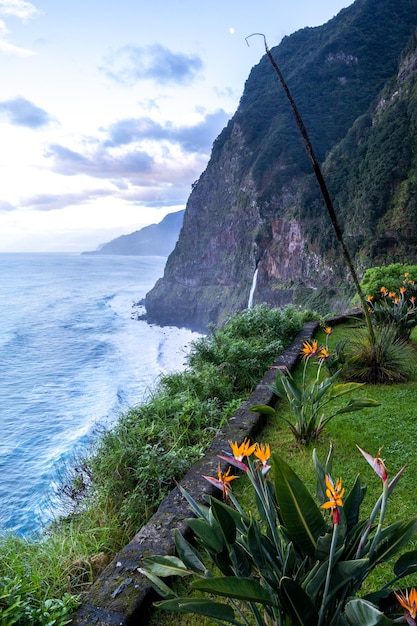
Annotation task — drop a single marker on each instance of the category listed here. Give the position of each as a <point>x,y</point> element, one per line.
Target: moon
<point>231,30</point>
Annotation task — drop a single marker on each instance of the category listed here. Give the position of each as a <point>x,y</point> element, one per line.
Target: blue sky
<point>109,108</point>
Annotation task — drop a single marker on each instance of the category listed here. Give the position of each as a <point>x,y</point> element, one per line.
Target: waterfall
<point>252,289</point>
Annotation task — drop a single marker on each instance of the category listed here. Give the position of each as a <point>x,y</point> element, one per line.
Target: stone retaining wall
<point>122,596</point>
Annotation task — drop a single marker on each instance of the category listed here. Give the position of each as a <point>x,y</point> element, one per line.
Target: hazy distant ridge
<point>154,240</point>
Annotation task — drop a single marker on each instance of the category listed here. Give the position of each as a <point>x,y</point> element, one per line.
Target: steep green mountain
<point>257,204</point>
<point>154,240</point>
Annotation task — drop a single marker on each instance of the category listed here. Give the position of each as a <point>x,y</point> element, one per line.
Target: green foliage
<point>385,360</point>
<point>288,563</point>
<point>309,401</point>
<point>22,603</point>
<point>389,276</point>
<point>248,342</point>
<point>396,311</point>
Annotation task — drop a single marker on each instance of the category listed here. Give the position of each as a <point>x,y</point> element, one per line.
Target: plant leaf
<point>356,404</point>
<point>225,521</point>
<point>406,564</point>
<point>360,612</point>
<point>157,583</point>
<point>343,388</point>
<point>215,610</point>
<point>209,536</point>
<point>263,408</point>
<point>167,566</point>
<point>200,511</point>
<point>246,589</point>
<point>297,603</point>
<point>301,516</point>
<point>393,539</point>
<point>188,554</point>
<point>352,503</point>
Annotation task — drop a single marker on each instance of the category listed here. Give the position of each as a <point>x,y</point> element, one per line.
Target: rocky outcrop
<point>257,205</point>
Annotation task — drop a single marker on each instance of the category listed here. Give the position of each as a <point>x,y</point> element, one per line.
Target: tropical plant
<point>396,308</point>
<point>309,400</point>
<point>288,564</point>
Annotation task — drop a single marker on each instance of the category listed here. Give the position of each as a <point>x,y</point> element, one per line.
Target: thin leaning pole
<point>322,185</point>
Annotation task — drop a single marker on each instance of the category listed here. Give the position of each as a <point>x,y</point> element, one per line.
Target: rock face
<point>154,240</point>
<point>257,204</point>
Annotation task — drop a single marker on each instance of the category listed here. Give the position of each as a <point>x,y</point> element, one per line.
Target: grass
<point>390,427</point>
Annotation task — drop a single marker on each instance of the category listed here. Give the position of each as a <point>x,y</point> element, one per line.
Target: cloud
<point>21,112</point>
<point>15,51</point>
<point>131,64</point>
<point>101,164</point>
<point>144,161</point>
<point>196,138</point>
<point>6,206</point>
<point>22,10</point>
<point>51,202</point>
<point>18,8</point>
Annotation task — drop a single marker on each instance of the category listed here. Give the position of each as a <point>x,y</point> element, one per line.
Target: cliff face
<point>257,204</point>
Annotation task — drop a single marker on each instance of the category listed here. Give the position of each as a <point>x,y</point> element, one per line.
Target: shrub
<point>248,343</point>
<point>389,276</point>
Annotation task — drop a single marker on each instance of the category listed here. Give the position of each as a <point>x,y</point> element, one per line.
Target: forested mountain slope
<point>257,203</point>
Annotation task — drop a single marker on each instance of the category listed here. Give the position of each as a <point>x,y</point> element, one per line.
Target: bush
<point>248,343</point>
<point>389,276</point>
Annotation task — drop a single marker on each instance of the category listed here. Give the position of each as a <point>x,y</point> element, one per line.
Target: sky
<point>109,108</point>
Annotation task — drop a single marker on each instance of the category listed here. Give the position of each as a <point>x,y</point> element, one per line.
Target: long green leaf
<point>360,612</point>
<point>352,503</point>
<point>188,554</point>
<point>393,539</point>
<point>265,409</point>
<point>225,521</point>
<point>343,388</point>
<point>246,589</point>
<point>157,583</point>
<point>199,510</point>
<point>298,604</point>
<point>356,404</point>
<point>301,516</point>
<point>210,537</point>
<point>345,571</point>
<point>217,611</point>
<point>321,471</point>
<point>406,564</point>
<point>167,566</point>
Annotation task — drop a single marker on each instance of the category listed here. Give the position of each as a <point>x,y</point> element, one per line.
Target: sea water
<point>73,354</point>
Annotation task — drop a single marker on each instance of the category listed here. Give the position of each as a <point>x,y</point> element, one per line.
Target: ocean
<point>73,355</point>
